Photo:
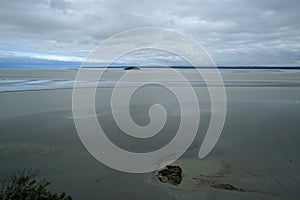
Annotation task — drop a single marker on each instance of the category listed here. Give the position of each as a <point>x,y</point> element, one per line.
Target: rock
<point>171,174</point>
<point>131,68</point>
<point>174,180</point>
<point>174,169</point>
<point>227,187</point>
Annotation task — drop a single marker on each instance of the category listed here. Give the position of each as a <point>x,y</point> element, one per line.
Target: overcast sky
<point>234,32</point>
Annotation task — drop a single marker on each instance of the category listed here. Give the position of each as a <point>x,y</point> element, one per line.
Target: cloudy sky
<point>234,32</point>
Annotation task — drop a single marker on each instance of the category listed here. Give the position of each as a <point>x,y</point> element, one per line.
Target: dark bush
<point>24,185</point>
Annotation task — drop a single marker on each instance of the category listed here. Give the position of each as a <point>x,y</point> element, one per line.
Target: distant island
<point>131,68</point>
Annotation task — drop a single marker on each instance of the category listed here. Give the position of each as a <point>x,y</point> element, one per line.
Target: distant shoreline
<point>191,67</point>
<point>161,67</point>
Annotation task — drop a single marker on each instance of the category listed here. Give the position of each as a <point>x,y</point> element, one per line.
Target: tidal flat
<point>258,151</point>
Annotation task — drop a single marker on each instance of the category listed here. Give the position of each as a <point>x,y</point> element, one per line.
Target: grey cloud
<point>257,32</point>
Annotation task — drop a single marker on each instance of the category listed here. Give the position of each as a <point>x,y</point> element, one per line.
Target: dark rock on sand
<point>227,187</point>
<point>171,174</point>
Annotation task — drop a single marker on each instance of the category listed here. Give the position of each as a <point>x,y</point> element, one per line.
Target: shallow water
<point>41,79</point>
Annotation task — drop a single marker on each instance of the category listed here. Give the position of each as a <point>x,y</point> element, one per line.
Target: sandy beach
<point>258,151</point>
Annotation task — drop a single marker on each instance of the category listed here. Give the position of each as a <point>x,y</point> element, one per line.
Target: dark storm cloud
<point>235,32</point>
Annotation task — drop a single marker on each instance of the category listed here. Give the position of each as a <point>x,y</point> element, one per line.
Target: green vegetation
<point>25,186</point>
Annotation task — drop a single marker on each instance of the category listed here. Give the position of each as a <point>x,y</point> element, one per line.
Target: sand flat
<point>258,150</point>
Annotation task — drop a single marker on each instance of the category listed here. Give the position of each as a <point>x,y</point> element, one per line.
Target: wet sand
<point>258,151</point>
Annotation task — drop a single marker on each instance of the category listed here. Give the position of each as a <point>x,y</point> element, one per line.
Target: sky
<point>234,32</point>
